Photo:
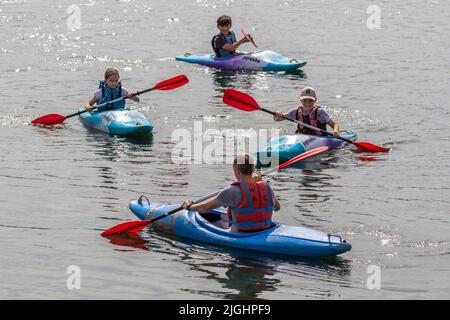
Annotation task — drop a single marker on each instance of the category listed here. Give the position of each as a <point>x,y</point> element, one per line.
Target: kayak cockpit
<point>203,222</point>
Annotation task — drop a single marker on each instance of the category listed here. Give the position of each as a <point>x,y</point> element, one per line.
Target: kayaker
<point>109,89</point>
<point>310,113</point>
<point>250,200</point>
<point>224,43</point>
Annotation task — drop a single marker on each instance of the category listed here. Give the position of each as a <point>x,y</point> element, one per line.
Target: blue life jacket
<point>230,38</point>
<point>109,94</point>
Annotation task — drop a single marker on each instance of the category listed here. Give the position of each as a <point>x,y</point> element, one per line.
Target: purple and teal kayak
<point>288,146</point>
<point>260,61</point>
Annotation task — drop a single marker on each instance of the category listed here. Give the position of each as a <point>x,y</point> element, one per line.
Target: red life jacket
<point>310,119</point>
<point>256,208</point>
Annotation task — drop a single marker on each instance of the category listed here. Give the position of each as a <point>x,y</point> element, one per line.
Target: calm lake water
<point>60,187</point>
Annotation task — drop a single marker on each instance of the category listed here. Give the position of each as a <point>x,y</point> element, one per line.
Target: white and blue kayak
<point>260,61</point>
<point>121,122</point>
<point>279,239</point>
<point>288,146</point>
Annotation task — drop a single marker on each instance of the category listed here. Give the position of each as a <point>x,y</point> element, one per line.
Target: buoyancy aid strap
<point>270,202</point>
<point>247,194</point>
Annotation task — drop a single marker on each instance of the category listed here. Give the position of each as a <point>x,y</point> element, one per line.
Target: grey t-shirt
<point>232,197</point>
<point>322,115</point>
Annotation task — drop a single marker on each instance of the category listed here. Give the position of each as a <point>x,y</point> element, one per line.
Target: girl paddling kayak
<point>109,89</point>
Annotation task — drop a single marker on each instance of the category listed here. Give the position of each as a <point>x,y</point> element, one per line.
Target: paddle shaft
<point>308,126</point>
<point>181,207</point>
<point>109,102</point>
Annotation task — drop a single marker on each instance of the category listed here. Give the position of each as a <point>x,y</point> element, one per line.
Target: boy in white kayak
<point>309,113</point>
<point>110,89</point>
<point>224,43</point>
<point>250,200</point>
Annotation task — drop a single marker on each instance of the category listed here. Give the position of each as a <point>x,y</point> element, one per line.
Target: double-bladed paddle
<point>245,102</point>
<point>249,37</point>
<point>169,84</point>
<point>136,226</point>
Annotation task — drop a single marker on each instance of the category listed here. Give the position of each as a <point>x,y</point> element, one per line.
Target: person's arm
<point>335,126</point>
<point>280,116</point>
<point>130,95</point>
<point>202,207</point>
<point>90,105</point>
<point>233,47</point>
<point>276,205</point>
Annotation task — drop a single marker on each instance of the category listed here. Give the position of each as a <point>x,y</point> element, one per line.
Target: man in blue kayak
<point>224,43</point>
<point>309,113</point>
<point>250,200</point>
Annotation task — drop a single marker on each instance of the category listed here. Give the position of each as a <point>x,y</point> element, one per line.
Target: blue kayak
<point>288,146</point>
<point>260,61</point>
<point>121,122</point>
<point>279,239</point>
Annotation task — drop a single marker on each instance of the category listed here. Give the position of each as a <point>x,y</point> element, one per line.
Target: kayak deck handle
<point>187,54</point>
<point>293,60</point>
<point>141,198</point>
<point>335,235</point>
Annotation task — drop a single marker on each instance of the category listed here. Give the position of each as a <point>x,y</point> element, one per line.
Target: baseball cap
<point>308,93</point>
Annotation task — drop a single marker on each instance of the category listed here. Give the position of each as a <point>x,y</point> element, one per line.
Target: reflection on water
<point>248,80</point>
<point>242,274</point>
<point>114,148</point>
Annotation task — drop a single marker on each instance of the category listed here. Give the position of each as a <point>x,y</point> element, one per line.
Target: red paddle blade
<point>303,156</point>
<point>49,119</point>
<point>240,100</point>
<point>251,39</point>
<point>126,227</point>
<point>172,83</point>
<point>368,147</point>
<point>128,240</point>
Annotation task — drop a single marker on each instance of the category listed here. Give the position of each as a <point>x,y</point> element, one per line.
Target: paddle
<point>248,37</point>
<point>172,83</point>
<point>136,226</point>
<point>245,102</point>
<point>301,156</point>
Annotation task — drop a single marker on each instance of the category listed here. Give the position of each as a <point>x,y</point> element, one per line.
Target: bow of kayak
<point>259,61</point>
<point>117,122</point>
<point>288,146</point>
<point>280,239</point>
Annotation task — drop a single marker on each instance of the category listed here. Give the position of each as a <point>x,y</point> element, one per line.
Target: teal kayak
<point>279,239</point>
<point>288,146</point>
<point>121,122</point>
<point>260,61</point>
